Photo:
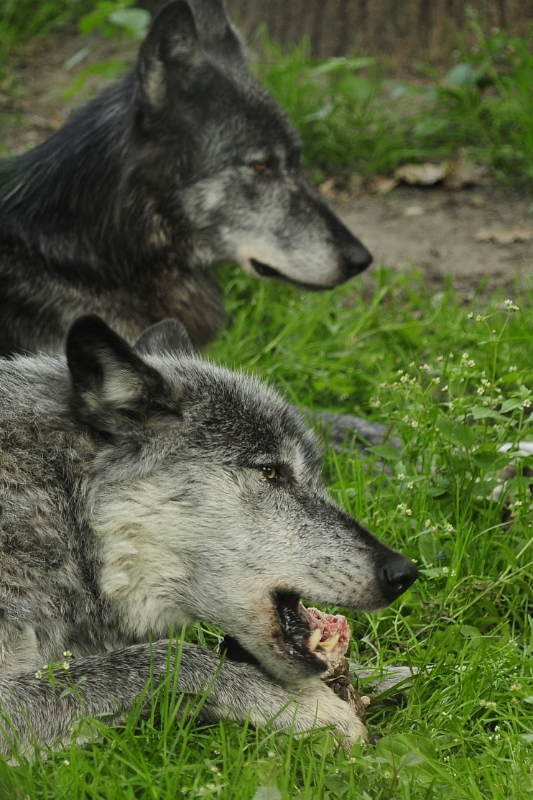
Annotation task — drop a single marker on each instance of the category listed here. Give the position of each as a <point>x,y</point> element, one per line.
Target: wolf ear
<point>217,34</point>
<point>113,389</point>
<point>166,337</point>
<point>171,43</point>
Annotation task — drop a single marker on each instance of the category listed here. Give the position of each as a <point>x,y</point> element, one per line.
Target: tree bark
<point>400,30</point>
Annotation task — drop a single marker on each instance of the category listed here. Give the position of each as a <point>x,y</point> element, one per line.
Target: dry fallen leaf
<point>461,173</point>
<point>328,188</point>
<point>421,174</point>
<point>413,211</point>
<point>504,235</point>
<point>382,185</point>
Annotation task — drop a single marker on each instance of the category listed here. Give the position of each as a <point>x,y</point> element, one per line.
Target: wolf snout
<point>396,576</point>
<point>354,258</point>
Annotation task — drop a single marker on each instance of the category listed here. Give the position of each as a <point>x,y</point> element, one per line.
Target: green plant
<point>21,19</point>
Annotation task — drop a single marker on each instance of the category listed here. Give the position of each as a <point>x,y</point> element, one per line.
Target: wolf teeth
<point>314,639</point>
<point>330,643</point>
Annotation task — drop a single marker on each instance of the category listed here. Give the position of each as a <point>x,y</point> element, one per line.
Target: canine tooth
<point>314,639</point>
<point>330,643</point>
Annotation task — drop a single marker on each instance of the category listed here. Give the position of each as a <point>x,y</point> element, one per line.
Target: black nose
<point>397,575</point>
<point>355,258</point>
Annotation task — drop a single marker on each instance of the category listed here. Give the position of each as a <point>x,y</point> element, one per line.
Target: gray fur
<point>134,500</point>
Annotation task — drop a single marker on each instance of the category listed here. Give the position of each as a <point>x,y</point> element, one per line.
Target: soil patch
<point>435,229</point>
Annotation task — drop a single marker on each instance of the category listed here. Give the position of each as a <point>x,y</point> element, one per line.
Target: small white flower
<point>471,363</point>
<point>39,674</point>
<point>410,485</point>
<point>414,424</point>
<point>526,403</point>
<point>67,653</point>
<point>481,390</point>
<point>470,316</point>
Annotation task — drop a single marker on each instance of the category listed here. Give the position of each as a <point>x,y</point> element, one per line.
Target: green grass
<point>22,19</point>
<point>351,119</point>
<point>454,381</point>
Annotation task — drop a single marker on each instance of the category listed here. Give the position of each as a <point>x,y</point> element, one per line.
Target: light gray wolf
<point>184,163</point>
<point>142,488</point>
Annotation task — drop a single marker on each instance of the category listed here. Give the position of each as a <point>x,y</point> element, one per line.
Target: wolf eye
<point>270,473</point>
<point>262,168</point>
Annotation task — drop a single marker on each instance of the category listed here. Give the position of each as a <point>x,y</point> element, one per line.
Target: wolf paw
<point>319,706</point>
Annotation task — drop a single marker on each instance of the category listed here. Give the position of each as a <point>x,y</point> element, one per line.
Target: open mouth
<point>265,270</point>
<point>307,633</point>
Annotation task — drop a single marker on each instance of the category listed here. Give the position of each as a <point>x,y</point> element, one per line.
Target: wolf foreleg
<point>39,711</point>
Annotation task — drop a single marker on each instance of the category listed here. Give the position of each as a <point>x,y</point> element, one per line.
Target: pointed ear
<point>171,43</point>
<point>217,34</point>
<point>166,337</point>
<point>113,389</point>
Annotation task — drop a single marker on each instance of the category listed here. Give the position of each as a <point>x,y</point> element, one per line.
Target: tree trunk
<point>401,30</point>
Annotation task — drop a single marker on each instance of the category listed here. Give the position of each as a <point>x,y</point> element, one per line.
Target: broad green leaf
<point>456,432</point>
<point>510,405</point>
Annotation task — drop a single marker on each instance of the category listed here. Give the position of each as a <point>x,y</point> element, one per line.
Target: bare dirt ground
<point>432,228</point>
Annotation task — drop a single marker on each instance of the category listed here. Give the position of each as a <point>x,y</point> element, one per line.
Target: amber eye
<point>260,166</point>
<point>270,473</point>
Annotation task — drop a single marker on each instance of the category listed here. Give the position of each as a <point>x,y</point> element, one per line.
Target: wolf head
<point>235,177</point>
<point>208,500</point>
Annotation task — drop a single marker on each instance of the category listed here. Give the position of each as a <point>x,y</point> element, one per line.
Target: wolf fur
<point>143,488</point>
<point>185,163</point>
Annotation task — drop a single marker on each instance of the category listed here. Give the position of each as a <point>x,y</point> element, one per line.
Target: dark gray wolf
<point>142,488</point>
<point>184,163</point>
